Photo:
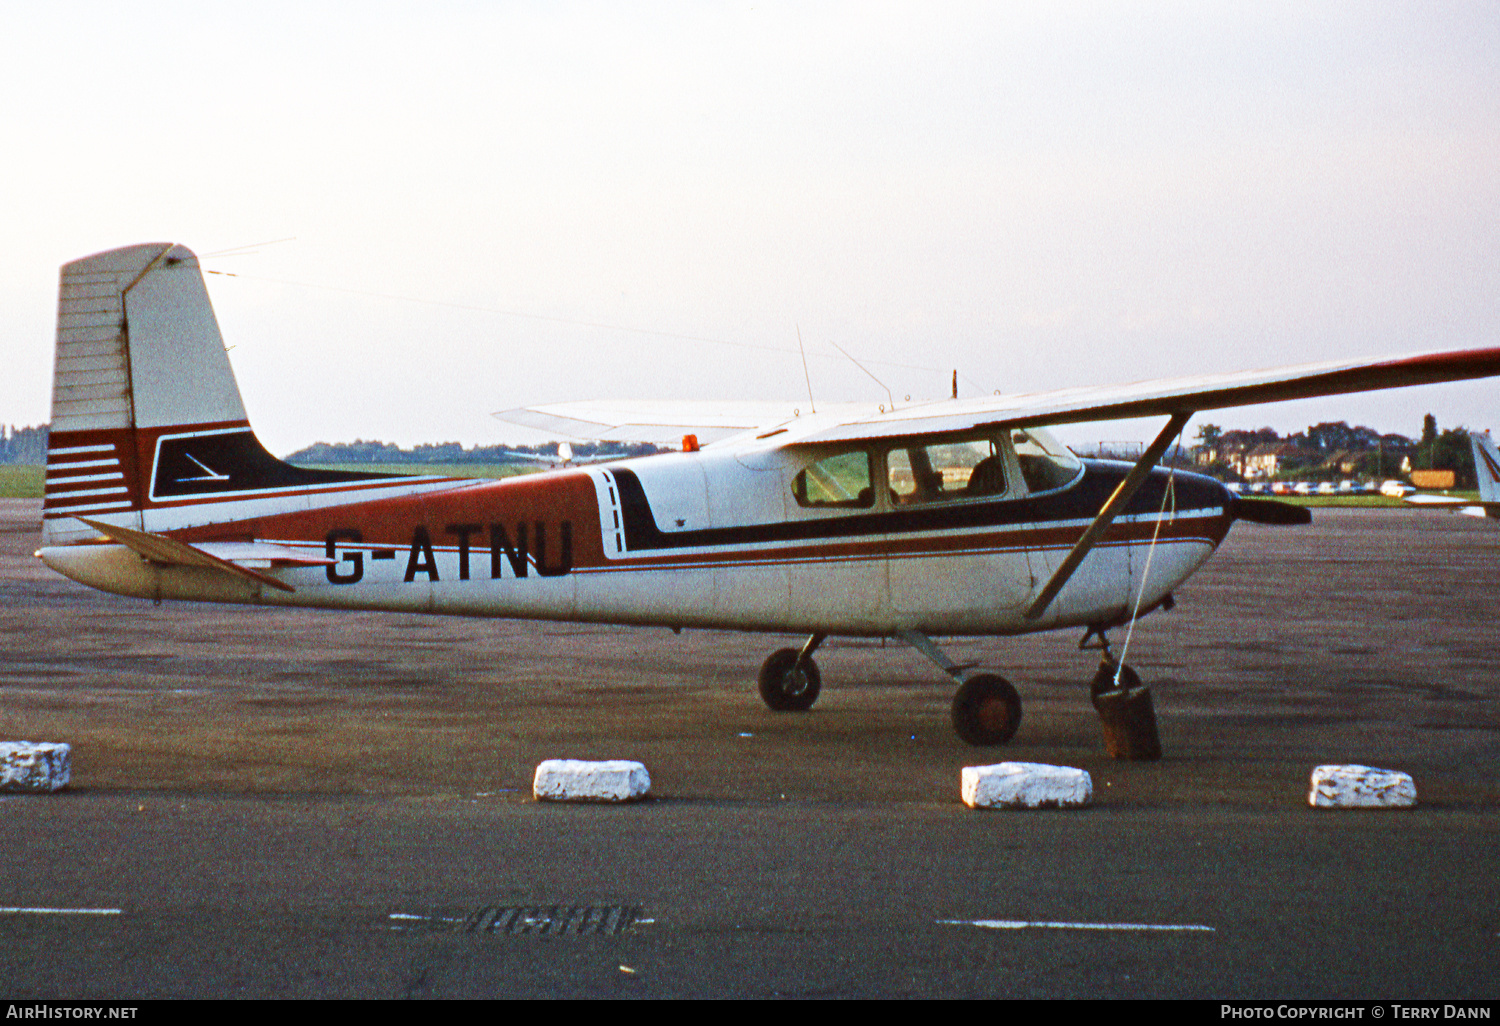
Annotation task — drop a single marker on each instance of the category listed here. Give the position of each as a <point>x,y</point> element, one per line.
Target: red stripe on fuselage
<point>568,497</point>
<point>551,499</point>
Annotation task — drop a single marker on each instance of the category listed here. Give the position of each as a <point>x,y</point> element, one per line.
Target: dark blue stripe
<point>1081,500</point>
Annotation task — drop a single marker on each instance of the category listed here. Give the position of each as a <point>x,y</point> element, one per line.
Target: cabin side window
<point>1046,464</point>
<point>840,481</point>
<point>964,469</point>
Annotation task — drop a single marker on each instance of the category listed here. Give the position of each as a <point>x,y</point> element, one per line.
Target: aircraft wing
<point>1171,396</point>
<point>628,420</point>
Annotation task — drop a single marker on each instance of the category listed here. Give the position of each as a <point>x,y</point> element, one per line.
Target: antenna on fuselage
<point>805,377</point>
<point>955,384</point>
<point>862,367</point>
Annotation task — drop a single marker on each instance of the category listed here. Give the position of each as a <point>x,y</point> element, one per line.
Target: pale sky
<point>1039,195</point>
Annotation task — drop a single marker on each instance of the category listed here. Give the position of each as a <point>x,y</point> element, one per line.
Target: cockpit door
<point>949,568</point>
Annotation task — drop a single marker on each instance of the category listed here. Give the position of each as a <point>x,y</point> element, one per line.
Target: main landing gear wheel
<point>1104,681</point>
<point>986,710</point>
<point>787,687</point>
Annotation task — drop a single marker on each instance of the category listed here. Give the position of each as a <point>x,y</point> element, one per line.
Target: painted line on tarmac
<point>19,911</point>
<point>1021,924</point>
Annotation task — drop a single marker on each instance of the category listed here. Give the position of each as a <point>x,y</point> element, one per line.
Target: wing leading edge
<point>1174,396</point>
<point>647,421</point>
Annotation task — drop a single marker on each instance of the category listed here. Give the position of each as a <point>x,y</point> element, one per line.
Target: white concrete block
<point>35,765</point>
<point>1026,785</point>
<point>574,780</point>
<point>1361,787</point>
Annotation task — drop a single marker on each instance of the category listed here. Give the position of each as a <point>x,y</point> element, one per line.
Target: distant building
<point>1433,478</point>
<point>1272,459</point>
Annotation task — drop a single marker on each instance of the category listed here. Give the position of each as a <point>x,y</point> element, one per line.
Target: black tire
<point>785,688</point>
<point>1104,681</point>
<point>986,710</point>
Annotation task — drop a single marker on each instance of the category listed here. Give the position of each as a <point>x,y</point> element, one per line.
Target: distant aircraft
<point>952,517</point>
<point>565,457</point>
<point>1486,469</point>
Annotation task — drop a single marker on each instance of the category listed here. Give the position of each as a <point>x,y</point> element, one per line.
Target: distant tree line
<point>1335,450</point>
<point>28,445</point>
<point>23,444</point>
<point>360,451</point>
<point>1323,450</point>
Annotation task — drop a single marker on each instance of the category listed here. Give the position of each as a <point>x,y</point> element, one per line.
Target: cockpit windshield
<point>1046,464</point>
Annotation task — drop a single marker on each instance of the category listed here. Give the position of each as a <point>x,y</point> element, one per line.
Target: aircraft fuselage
<point>706,539</point>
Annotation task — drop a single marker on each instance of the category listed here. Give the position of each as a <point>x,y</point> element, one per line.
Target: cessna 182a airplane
<point>956,517</point>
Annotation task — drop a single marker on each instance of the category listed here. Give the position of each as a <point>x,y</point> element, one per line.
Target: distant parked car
<point>1396,489</point>
<point>1327,488</point>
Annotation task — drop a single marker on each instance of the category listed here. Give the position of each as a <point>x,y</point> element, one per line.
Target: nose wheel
<point>1126,711</point>
<point>1104,680</point>
<point>789,679</point>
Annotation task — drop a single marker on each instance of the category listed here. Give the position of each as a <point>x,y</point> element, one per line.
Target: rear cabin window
<point>1046,464</point>
<point>840,481</point>
<point>964,469</point>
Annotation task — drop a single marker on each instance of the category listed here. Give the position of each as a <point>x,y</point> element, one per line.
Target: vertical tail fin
<point>138,352</point>
<point>1486,466</point>
<point>148,429</point>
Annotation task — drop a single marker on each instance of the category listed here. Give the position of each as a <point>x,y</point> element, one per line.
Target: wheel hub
<point>993,714</point>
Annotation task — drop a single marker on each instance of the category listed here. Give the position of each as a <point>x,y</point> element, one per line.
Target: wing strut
<point>1117,502</point>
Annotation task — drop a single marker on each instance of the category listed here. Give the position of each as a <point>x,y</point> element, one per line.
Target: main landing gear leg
<point>986,709</point>
<point>789,679</point>
<point>1124,704</point>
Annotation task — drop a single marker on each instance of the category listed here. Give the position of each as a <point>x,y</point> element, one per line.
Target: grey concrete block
<point>1025,785</point>
<point>35,766</point>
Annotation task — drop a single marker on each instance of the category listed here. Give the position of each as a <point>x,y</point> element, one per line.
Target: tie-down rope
<point>1169,493</point>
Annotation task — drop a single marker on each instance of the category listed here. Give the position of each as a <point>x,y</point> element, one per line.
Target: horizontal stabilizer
<point>261,555</point>
<point>170,552</point>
